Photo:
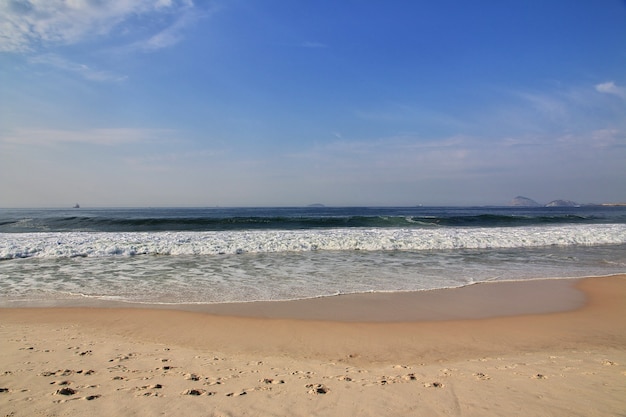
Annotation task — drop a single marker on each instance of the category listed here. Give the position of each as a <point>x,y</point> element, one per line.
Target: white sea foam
<point>286,275</point>
<point>89,244</point>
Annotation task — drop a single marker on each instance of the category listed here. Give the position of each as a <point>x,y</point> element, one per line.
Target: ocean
<point>216,255</point>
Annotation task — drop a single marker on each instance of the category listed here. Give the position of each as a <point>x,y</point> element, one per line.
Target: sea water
<point>210,255</point>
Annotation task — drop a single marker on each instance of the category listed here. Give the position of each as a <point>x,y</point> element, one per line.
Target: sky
<point>125,103</point>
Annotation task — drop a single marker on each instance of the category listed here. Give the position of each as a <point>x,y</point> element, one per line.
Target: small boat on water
<point>76,205</point>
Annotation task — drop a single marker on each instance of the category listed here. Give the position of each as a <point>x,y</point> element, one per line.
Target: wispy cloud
<point>172,161</point>
<point>110,137</point>
<point>30,25</point>
<point>171,34</point>
<point>85,71</point>
<point>552,106</point>
<point>388,157</point>
<point>419,158</point>
<point>609,138</point>
<point>610,87</point>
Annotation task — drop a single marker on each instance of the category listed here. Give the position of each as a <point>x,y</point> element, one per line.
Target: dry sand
<point>545,348</point>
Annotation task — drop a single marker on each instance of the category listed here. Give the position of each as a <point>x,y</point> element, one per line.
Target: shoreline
<point>121,361</point>
<point>474,301</point>
<point>495,311</point>
<point>470,301</point>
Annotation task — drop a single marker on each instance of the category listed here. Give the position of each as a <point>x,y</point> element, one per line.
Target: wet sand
<point>545,347</point>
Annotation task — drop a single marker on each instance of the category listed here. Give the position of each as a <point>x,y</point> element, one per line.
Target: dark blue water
<point>290,218</point>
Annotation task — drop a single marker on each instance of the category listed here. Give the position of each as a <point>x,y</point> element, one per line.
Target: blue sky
<point>280,102</point>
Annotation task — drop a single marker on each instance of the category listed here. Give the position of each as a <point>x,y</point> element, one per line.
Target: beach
<point>252,208</point>
<point>542,347</point>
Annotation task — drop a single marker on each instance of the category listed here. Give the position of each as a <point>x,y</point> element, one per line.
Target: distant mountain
<point>316,205</point>
<point>562,203</point>
<point>520,201</point>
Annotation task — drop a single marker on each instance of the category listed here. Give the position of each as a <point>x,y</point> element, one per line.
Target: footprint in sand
<point>150,390</point>
<point>61,383</point>
<point>214,381</point>
<point>385,380</point>
<point>66,391</point>
<point>481,376</point>
<point>60,372</point>
<point>303,374</point>
<point>118,368</point>
<point>120,358</point>
<point>197,392</point>
<point>88,372</point>
<point>192,377</point>
<point>317,389</point>
<point>272,381</point>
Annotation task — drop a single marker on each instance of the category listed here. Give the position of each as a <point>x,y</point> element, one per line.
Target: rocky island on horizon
<point>521,201</point>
